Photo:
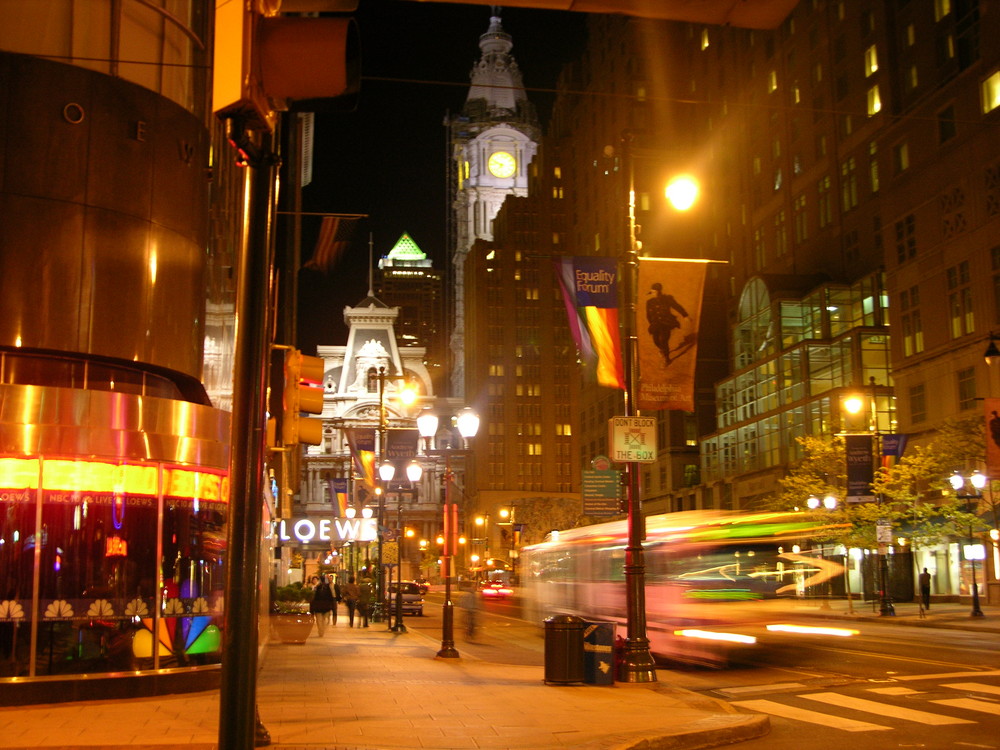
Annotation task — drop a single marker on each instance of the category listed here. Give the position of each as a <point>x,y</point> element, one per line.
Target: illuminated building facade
<point>120,210</point>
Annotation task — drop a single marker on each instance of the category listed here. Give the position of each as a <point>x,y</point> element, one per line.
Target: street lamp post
<point>468,426</point>
<point>978,481</point>
<point>854,405</point>
<point>413,472</point>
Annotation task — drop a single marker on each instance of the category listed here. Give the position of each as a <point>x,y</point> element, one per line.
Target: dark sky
<point>388,158</point>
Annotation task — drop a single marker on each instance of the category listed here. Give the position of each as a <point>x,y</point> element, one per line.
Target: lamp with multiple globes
<point>972,550</point>
<point>467,423</point>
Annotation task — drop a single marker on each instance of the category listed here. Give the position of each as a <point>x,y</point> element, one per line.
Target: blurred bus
<point>714,579</point>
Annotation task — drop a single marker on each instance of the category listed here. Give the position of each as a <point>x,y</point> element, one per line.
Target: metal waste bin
<point>599,653</point>
<point>564,649</point>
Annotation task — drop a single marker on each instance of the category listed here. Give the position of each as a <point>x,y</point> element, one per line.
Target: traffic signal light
<point>265,62</point>
<point>303,392</point>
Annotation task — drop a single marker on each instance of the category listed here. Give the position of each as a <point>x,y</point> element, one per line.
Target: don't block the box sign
<point>632,439</point>
<point>308,530</point>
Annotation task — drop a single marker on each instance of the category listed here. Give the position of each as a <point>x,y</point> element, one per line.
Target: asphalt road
<point>889,686</point>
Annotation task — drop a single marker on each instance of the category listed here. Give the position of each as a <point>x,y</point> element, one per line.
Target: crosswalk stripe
<point>893,691</point>
<point>977,687</point>
<point>971,704</point>
<point>884,709</point>
<point>813,717</point>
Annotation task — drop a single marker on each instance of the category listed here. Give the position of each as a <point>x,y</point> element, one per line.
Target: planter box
<point>292,628</point>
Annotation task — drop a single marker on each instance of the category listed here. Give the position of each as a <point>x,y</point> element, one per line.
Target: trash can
<point>564,649</point>
<point>599,653</point>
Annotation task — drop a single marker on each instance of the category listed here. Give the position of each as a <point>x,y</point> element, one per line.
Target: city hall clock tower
<point>493,140</point>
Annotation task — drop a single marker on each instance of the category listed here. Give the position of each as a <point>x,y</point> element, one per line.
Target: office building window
<point>991,92</point>
<point>873,166</point>
<point>874,101</point>
<point>960,312</point>
<point>801,220</point>
<point>918,404</point>
<point>913,332</point>
<point>901,156</point>
<point>824,201</point>
<point>906,239</point>
<point>871,60</point>
<point>946,124</point>
<point>848,184</point>
<point>966,380</point>
<point>780,235</point>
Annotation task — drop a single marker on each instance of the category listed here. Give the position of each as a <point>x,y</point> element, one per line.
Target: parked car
<point>424,585</point>
<point>413,599</point>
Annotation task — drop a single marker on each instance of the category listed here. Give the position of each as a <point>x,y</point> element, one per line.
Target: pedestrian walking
<point>337,596</point>
<point>925,588</point>
<point>364,600</point>
<point>323,603</point>
<point>350,592</point>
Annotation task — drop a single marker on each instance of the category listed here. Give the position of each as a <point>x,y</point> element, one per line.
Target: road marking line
<point>884,709</point>
<point>812,717</point>
<point>987,707</point>
<point>971,672</point>
<point>977,687</point>
<point>893,691</point>
<point>760,688</point>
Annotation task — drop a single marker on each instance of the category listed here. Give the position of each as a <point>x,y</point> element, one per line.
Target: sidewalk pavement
<point>372,689</point>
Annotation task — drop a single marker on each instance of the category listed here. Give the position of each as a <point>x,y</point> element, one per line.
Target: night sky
<point>388,158</point>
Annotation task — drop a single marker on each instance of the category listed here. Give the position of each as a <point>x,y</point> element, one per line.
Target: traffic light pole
<point>239,724</point>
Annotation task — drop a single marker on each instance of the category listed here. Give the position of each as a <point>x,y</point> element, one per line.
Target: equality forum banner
<point>590,292</point>
<point>668,312</point>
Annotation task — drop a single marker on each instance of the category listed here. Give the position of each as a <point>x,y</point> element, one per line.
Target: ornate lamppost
<point>973,551</point>
<point>468,425</point>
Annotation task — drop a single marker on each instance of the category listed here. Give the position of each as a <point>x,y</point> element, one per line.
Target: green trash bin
<point>564,649</point>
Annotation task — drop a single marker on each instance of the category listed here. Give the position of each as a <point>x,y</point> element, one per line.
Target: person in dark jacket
<point>323,604</point>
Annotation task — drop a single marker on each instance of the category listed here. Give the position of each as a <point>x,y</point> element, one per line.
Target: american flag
<point>335,235</point>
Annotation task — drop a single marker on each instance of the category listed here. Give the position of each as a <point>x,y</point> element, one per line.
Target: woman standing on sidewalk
<point>350,592</point>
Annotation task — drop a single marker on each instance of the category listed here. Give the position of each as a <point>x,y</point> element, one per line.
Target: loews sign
<point>308,530</point>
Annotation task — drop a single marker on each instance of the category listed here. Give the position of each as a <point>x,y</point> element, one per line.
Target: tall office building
<point>406,279</point>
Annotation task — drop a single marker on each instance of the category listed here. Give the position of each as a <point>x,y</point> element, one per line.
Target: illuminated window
<point>901,157</point>
<point>911,78</point>
<point>772,81</point>
<point>961,315</point>
<point>941,9</point>
<point>991,92</point>
<point>557,172</point>
<point>874,101</point>
<point>704,38</point>
<point>911,35</point>
<point>871,60</point>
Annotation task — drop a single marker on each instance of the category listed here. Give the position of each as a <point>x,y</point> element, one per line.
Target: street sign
<point>632,439</point>
<point>390,553</point>
<point>883,531</point>
<point>600,493</point>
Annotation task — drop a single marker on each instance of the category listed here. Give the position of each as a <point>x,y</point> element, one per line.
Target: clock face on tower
<point>501,164</point>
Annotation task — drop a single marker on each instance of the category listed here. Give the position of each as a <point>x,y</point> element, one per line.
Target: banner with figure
<point>992,437</point>
<point>668,312</point>
<point>590,292</point>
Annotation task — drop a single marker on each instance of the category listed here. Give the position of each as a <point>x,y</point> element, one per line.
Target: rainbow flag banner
<point>590,291</point>
<point>338,495</point>
<point>362,445</point>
